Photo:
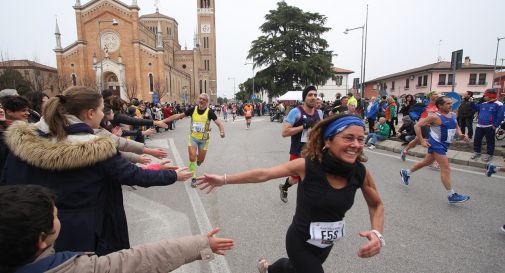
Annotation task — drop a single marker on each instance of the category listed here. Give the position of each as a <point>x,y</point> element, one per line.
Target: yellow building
<point>139,56</point>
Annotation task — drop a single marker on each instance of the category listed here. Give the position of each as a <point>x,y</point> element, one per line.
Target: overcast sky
<point>401,34</point>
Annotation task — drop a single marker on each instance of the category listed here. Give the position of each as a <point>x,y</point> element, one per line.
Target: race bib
<point>305,134</point>
<point>450,135</point>
<point>199,127</point>
<point>323,234</point>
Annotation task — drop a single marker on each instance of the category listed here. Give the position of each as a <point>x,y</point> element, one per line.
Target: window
<point>206,64</point>
<point>449,79</point>
<point>74,80</point>
<point>482,79</point>
<point>205,83</point>
<point>393,85</point>
<point>425,80</point>
<point>184,66</point>
<point>338,81</point>
<point>151,82</point>
<point>441,79</point>
<point>407,83</point>
<point>473,79</point>
<point>200,86</point>
<point>419,80</point>
<point>205,42</point>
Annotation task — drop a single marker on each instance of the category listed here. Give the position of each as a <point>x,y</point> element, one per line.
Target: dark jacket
<point>86,173</point>
<point>407,127</point>
<point>466,110</point>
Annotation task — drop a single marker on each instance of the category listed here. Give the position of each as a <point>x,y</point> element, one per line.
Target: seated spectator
<point>29,226</point>
<point>381,133</point>
<point>407,132</point>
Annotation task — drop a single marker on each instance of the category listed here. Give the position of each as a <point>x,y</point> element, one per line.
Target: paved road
<point>423,232</point>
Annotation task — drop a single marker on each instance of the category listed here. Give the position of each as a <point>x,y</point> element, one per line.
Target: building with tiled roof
<point>41,77</point>
<point>338,84</point>
<point>436,76</point>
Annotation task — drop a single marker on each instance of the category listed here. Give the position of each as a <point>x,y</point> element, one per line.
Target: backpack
<point>416,110</point>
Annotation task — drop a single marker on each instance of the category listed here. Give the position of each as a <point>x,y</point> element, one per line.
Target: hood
<point>77,151</point>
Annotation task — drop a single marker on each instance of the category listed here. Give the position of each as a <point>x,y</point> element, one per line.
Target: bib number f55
<point>323,234</point>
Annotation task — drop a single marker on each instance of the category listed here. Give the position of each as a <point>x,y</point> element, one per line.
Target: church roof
<point>158,15</point>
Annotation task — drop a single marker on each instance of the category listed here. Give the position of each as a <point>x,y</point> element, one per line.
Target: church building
<point>139,55</point>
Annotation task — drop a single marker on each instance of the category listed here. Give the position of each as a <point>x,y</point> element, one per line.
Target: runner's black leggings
<point>303,257</point>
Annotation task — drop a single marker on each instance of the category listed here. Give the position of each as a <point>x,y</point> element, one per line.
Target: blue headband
<point>341,124</point>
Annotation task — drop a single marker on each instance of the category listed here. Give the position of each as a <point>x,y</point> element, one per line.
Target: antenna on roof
<point>439,58</point>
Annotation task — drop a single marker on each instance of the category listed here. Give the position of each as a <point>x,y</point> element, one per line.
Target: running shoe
<point>283,193</point>
<point>193,182</point>
<point>475,156</point>
<point>490,169</point>
<point>405,176</point>
<point>458,198</point>
<point>262,265</point>
<point>371,147</point>
<point>403,155</point>
<point>503,228</point>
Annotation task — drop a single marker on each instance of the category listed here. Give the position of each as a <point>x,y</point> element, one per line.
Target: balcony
<point>205,11</point>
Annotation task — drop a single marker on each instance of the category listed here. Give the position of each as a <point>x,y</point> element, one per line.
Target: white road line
<point>452,168</point>
<point>219,264</point>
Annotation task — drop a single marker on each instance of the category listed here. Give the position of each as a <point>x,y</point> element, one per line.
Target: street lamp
<point>233,78</point>
<point>496,59</point>
<point>246,63</point>
<point>114,23</point>
<point>364,32</point>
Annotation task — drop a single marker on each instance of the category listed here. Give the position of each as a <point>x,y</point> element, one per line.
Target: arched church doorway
<point>112,83</point>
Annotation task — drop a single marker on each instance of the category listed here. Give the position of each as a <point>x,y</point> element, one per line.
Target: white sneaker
<point>371,147</point>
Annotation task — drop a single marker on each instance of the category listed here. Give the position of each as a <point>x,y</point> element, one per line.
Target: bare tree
<point>62,82</point>
<point>130,88</point>
<point>89,83</point>
<point>161,89</point>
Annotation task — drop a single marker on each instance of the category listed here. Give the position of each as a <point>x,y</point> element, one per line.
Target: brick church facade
<point>139,55</point>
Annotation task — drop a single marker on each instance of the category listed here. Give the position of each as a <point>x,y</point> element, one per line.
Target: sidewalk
<point>455,156</point>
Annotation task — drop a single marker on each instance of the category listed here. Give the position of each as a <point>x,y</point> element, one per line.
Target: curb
<point>455,157</point>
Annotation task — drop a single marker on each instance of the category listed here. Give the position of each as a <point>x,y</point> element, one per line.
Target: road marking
<point>452,168</point>
<point>219,264</point>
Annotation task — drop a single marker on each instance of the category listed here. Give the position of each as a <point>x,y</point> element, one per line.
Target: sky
<point>402,34</point>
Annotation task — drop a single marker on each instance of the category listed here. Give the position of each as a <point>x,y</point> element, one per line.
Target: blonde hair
<point>314,148</point>
<point>73,101</point>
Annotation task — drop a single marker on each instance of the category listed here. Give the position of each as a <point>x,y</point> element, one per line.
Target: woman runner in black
<point>331,171</point>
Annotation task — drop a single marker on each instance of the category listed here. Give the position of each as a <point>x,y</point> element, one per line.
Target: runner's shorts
<point>200,143</point>
<point>291,158</point>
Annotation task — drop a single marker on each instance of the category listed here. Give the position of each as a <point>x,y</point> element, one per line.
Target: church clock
<point>205,28</point>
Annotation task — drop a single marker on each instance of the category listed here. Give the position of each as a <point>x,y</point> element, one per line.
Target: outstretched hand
<point>210,181</point>
<point>372,247</point>
<point>183,174</point>
<point>219,245</point>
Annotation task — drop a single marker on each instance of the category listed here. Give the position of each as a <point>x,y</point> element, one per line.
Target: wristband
<point>225,180</point>
<point>379,235</point>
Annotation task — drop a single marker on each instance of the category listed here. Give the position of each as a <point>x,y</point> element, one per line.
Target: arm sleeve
<point>126,173</point>
<point>123,144</point>
<point>189,112</point>
<point>293,116</point>
<point>499,115</point>
<point>162,256</point>
<point>212,115</point>
<point>133,158</point>
<point>125,119</point>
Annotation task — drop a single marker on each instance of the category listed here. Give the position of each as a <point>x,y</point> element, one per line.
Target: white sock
<point>408,172</point>
<point>450,192</point>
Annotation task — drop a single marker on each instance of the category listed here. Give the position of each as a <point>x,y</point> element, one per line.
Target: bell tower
<point>207,40</point>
